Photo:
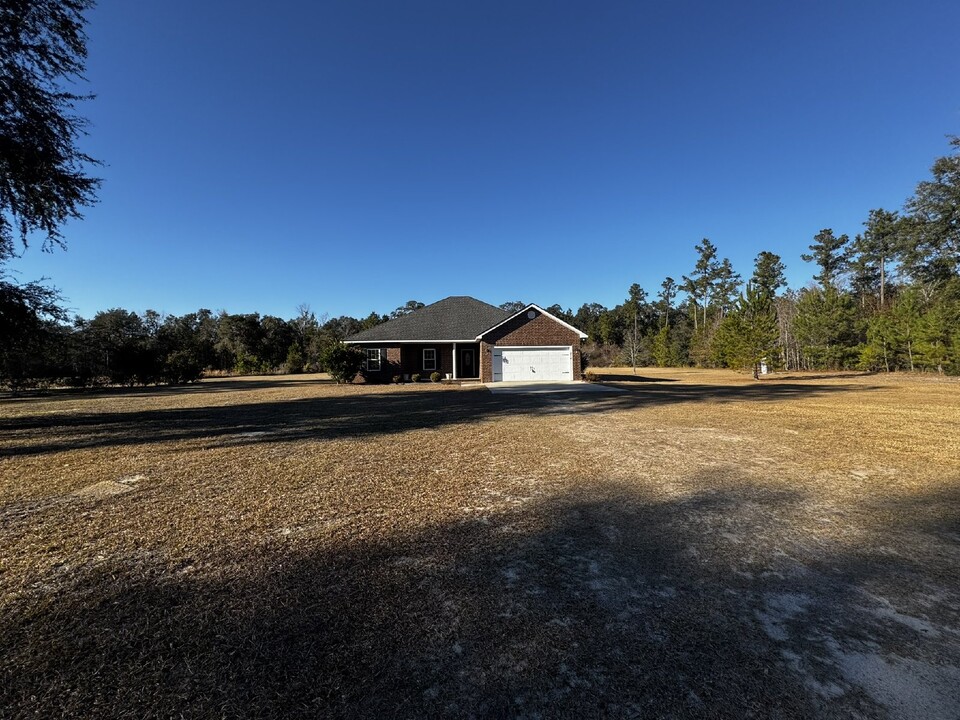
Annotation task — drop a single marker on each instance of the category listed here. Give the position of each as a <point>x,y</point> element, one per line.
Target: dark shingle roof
<point>453,318</point>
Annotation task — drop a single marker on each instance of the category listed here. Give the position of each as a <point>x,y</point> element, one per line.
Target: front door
<point>467,368</point>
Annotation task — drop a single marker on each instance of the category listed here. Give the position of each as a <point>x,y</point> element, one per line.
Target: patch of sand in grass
<point>885,610</point>
<point>107,488</point>
<point>780,609</point>
<point>909,689</point>
<point>103,489</point>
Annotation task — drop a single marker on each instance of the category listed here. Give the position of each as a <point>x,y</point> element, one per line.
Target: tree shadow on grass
<point>630,378</point>
<point>244,383</point>
<point>602,604</point>
<point>370,412</point>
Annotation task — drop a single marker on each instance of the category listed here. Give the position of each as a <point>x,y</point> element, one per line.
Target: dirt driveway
<point>697,545</point>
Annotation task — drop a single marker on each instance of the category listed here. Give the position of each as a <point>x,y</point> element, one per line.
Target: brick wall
<point>413,359</point>
<point>389,364</point>
<point>523,331</point>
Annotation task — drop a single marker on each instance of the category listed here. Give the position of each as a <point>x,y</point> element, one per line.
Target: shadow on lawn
<point>629,377</point>
<point>370,413</point>
<point>610,605</point>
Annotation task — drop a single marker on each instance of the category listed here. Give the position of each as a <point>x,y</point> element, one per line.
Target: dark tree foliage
<point>726,286</point>
<point>407,308</point>
<point>513,306</point>
<point>933,230</point>
<point>889,302</point>
<point>828,328</point>
<point>831,254</point>
<point>768,273</point>
<point>343,362</point>
<point>43,174</point>
<point>27,313</point>
<point>875,249</point>
<point>748,336</point>
<point>699,284</point>
<point>668,290</point>
<point>559,312</point>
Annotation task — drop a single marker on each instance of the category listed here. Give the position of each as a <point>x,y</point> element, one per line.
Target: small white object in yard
<point>763,367</point>
<point>131,479</point>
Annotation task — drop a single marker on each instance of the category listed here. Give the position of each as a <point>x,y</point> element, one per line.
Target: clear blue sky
<point>354,155</point>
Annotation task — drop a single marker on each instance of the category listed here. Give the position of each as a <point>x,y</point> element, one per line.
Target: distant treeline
<point>887,298</point>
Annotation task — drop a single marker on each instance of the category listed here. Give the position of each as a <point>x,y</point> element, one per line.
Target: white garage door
<point>531,364</point>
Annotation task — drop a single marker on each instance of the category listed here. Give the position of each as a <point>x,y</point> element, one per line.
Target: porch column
<point>454,361</point>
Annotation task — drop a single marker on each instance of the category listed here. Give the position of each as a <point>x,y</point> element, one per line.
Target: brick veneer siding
<point>413,359</point>
<point>408,360</point>
<point>389,363</point>
<point>523,331</point>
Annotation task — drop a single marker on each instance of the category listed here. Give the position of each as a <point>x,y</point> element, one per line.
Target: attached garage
<point>463,338</point>
<point>531,346</point>
<point>532,364</point>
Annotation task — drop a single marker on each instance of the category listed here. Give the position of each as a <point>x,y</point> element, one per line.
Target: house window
<point>429,359</point>
<point>373,359</point>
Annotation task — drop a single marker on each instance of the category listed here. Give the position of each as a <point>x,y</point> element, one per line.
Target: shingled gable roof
<point>453,319</point>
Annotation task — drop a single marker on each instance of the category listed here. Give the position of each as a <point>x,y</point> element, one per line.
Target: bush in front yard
<point>435,377</point>
<point>343,362</point>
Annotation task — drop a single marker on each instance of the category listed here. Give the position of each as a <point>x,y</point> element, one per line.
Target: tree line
<point>887,298</point>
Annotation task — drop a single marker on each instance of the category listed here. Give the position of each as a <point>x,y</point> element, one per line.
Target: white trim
<point>406,342</point>
<point>501,348</point>
<point>366,362</point>
<point>532,306</point>
<point>531,347</point>
<point>454,358</point>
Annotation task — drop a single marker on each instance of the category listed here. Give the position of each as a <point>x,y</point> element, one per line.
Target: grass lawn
<point>696,545</point>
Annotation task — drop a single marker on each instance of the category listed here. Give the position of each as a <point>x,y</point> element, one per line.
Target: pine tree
<point>831,254</point>
<point>828,328</point>
<point>932,249</point>
<point>700,282</point>
<point>768,273</point>
<point>749,334</point>
<point>879,245</point>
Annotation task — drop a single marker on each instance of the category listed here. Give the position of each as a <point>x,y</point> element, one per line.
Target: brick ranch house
<point>464,338</point>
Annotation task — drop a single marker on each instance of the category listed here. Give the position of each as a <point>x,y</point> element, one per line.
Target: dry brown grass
<point>698,544</point>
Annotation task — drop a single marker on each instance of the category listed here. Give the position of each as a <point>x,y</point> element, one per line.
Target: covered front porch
<point>461,361</point>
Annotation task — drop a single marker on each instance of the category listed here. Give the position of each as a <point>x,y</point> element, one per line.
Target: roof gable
<point>532,306</point>
<point>457,318</point>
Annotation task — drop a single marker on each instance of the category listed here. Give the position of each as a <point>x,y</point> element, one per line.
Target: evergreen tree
<point>668,290</point>
<point>934,341</point>
<point>831,254</point>
<point>907,312</point>
<point>827,328</point>
<point>864,274</point>
<point>661,347</point>
<point>44,178</point>
<point>699,283</point>
<point>768,273</point>
<point>879,245</point>
<point>749,334</point>
<point>932,251</point>
<point>883,340</point>
<point>726,286</point>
